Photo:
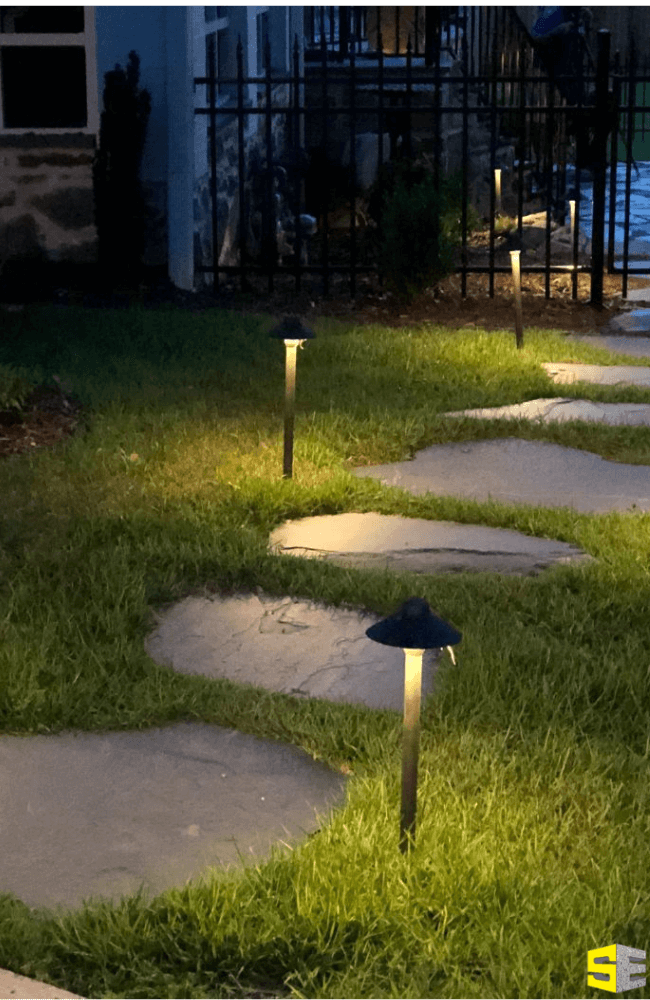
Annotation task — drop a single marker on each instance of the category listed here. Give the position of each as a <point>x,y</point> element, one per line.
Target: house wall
<point>120,30</point>
<point>46,185</point>
<point>46,202</point>
<point>46,198</point>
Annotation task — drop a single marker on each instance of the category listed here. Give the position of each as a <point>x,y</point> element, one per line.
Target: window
<point>219,60</point>
<point>262,41</point>
<point>213,13</point>
<point>47,60</point>
<point>216,50</point>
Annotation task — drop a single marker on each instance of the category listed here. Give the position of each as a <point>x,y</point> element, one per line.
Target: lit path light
<point>574,248</point>
<point>415,628</point>
<point>294,334</point>
<point>516,281</point>
<point>497,192</point>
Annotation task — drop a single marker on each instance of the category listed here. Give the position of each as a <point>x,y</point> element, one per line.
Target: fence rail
<point>303,147</point>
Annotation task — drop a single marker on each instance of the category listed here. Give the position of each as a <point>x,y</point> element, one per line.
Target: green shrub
<point>120,211</point>
<point>15,386</point>
<point>419,227</point>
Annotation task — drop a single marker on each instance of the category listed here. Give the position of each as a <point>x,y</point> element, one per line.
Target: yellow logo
<point>616,968</point>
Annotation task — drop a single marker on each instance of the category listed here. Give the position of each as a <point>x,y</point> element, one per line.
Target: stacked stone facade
<point>46,198</point>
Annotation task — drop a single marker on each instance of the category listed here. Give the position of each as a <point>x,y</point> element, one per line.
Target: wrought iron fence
<point>307,151</point>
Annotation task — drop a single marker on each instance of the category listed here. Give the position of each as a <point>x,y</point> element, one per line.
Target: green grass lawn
<point>533,840</point>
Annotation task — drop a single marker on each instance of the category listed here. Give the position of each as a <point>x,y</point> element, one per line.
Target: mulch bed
<point>47,417</point>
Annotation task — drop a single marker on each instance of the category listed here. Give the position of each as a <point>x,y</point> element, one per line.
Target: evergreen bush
<point>418,226</point>
<point>119,200</point>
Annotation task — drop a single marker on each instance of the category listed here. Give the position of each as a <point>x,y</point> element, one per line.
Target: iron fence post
<point>601,122</point>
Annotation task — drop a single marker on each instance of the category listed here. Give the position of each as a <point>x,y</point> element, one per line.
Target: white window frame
<point>217,26</point>
<point>52,40</point>
<point>261,12</point>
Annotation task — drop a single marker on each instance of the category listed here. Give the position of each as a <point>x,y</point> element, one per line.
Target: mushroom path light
<point>294,334</point>
<point>415,628</point>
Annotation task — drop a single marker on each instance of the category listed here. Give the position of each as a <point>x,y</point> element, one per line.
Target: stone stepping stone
<point>22,988</point>
<point>98,814</point>
<point>566,374</point>
<point>535,473</point>
<point>636,321</point>
<point>301,648</point>
<point>640,296</point>
<point>556,410</point>
<point>381,541</point>
<point>638,346</point>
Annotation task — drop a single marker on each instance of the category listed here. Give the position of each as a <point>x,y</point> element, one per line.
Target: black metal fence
<point>479,102</point>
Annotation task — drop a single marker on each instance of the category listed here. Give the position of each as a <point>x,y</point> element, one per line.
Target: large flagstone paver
<point>635,321</point>
<point>566,374</point>
<point>535,473</point>
<point>556,410</point>
<point>382,541</point>
<point>637,346</point>
<point>101,813</point>
<point>301,648</point>
<point>15,987</point>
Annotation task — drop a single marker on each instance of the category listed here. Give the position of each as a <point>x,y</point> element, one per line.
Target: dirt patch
<point>47,417</point>
<point>447,305</point>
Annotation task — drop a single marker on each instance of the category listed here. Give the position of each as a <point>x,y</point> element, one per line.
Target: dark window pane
<point>213,13</point>
<point>262,41</point>
<point>46,20</point>
<point>43,87</point>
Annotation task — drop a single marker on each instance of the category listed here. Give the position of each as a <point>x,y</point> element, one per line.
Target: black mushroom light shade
<point>292,328</point>
<point>414,626</point>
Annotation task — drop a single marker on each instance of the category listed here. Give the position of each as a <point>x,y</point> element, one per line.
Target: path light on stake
<point>572,213</point>
<point>516,281</point>
<point>294,334</point>
<point>415,628</point>
<point>497,191</point>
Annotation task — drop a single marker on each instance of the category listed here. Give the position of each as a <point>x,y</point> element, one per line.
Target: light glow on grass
<point>533,806</point>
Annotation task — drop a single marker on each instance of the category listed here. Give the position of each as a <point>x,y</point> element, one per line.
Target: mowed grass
<point>533,812</point>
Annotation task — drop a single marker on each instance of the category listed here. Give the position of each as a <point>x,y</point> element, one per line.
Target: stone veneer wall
<point>228,224</point>
<point>46,198</point>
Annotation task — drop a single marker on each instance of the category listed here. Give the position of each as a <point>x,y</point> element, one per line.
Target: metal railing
<point>312,212</point>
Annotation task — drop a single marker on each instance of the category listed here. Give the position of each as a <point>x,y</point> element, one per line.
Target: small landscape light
<point>516,281</point>
<point>414,628</point>
<point>572,213</point>
<point>294,334</point>
<point>497,191</point>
